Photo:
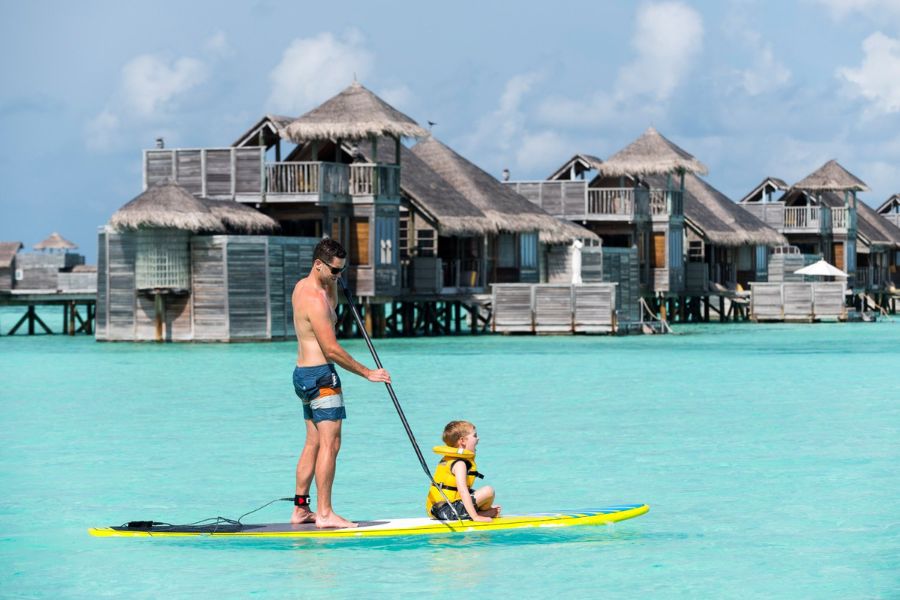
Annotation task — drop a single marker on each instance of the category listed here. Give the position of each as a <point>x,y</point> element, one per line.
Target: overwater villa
<point>686,239</point>
<point>822,218</point>
<point>174,267</point>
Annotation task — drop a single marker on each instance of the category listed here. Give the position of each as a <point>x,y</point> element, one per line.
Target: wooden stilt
<point>158,312</point>
<point>72,312</point>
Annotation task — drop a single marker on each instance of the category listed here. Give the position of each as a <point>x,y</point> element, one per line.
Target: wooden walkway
<point>73,320</point>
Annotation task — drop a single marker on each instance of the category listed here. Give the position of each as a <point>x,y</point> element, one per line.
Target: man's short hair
<point>455,431</point>
<point>328,249</point>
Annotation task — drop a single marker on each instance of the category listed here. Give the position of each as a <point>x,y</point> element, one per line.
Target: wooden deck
<point>554,308</point>
<point>795,301</point>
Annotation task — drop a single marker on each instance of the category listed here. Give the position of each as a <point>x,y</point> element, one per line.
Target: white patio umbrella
<point>822,268</point>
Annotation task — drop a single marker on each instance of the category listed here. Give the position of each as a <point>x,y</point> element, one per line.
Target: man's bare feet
<point>302,515</point>
<point>492,512</point>
<point>333,521</point>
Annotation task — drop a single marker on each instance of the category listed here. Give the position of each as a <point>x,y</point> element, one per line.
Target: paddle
<point>390,389</point>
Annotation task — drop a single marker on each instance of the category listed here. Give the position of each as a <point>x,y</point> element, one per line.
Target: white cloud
<point>151,85</point>
<point>397,96</point>
<point>767,72</point>
<point>313,69</point>
<point>148,94</point>
<point>217,45</point>
<point>101,131</point>
<point>877,79</point>
<point>504,138</point>
<point>502,126</point>
<point>542,151</point>
<point>874,9</point>
<point>667,39</point>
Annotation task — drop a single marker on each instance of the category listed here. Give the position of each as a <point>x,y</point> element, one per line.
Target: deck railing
<point>610,201</point>
<point>369,179</point>
<point>840,218</point>
<point>802,217</point>
<point>306,178</point>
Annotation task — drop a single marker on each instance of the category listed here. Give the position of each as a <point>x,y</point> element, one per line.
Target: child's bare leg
<point>484,502</point>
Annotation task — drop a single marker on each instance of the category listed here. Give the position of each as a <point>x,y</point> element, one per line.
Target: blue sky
<point>751,88</point>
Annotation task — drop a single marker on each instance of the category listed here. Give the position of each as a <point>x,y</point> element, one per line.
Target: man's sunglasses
<point>335,270</point>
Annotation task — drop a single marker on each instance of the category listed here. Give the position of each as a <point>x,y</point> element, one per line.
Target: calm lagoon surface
<point>768,453</point>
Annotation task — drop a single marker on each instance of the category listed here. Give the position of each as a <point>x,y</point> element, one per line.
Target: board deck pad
<point>385,527</point>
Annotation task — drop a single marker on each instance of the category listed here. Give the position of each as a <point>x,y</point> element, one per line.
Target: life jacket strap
<point>452,488</point>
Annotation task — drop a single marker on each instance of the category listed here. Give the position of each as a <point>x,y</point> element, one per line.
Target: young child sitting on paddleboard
<point>455,475</point>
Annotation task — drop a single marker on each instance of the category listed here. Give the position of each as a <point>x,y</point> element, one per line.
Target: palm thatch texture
<point>875,228</point>
<point>719,220</point>
<point>170,206</point>
<point>831,177</point>
<point>651,154</point>
<point>571,231</point>
<point>354,114</point>
<point>240,218</point>
<point>435,197</point>
<point>55,242</point>
<point>166,206</point>
<point>504,207</point>
<point>8,252</point>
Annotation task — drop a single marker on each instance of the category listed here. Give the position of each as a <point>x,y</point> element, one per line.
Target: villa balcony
<point>574,201</point>
<point>803,219</point>
<point>242,174</point>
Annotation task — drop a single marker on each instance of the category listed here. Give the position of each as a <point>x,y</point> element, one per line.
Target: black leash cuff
<point>301,500</point>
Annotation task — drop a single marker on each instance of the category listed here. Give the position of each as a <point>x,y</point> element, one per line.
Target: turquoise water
<point>769,456</point>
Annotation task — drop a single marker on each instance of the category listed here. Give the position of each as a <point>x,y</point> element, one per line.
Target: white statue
<point>577,245</point>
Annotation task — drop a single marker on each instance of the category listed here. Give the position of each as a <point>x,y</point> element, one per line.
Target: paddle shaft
<point>390,389</point>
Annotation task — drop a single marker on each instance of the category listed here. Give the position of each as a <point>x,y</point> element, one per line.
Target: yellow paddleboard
<point>383,528</point>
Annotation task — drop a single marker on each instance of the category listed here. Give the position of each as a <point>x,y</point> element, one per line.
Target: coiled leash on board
<point>390,389</point>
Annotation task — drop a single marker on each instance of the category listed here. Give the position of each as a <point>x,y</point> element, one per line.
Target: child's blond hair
<point>455,431</point>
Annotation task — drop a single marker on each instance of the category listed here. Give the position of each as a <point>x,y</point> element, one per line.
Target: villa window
<point>162,260</point>
<point>506,251</point>
<point>359,241</point>
<point>528,245</point>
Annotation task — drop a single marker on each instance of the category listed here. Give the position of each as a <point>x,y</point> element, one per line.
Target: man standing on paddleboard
<point>317,383</point>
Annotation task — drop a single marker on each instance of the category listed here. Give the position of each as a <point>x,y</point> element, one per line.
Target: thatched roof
<point>269,125</point>
<point>570,231</point>
<point>354,114</point>
<point>581,162</point>
<point>240,218</point>
<point>769,182</point>
<point>504,207</point>
<point>875,227</point>
<point>719,220</point>
<point>166,206</point>
<point>8,252</point>
<point>55,242</point>
<point>872,226</point>
<point>651,154</point>
<point>434,196</point>
<point>889,205</point>
<point>831,176</point>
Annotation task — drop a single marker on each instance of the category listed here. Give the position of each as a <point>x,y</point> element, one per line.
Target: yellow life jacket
<point>444,477</point>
